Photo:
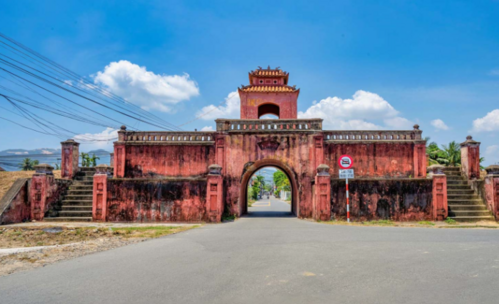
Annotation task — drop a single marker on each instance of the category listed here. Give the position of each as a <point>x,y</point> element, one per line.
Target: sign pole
<point>348,204</point>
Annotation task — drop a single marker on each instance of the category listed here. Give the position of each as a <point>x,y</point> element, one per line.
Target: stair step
<point>78,192</point>
<point>462,196</point>
<point>472,218</point>
<point>454,177</point>
<point>465,202</point>
<point>469,213</point>
<point>458,187</point>
<point>84,197</point>
<point>84,169</point>
<point>459,191</point>
<point>67,219</point>
<point>75,213</point>
<point>76,208</point>
<point>456,182</point>
<point>467,207</point>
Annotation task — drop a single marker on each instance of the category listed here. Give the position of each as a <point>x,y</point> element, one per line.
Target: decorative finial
<point>416,127</point>
<point>469,137</point>
<point>123,128</point>
<point>268,68</point>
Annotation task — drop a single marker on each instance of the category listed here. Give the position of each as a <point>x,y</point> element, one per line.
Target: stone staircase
<point>464,204</point>
<point>77,204</point>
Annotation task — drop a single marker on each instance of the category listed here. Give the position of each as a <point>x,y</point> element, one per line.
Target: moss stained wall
<point>400,200</point>
<point>163,200</point>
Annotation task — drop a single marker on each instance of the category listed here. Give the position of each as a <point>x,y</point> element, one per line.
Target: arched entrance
<point>268,108</point>
<point>251,168</point>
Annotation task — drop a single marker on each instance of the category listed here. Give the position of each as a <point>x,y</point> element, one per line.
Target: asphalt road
<point>265,259</point>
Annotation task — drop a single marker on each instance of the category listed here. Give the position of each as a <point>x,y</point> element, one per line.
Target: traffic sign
<point>346,173</point>
<point>345,162</point>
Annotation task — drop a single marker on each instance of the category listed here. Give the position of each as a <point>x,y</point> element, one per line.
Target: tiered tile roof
<point>273,89</point>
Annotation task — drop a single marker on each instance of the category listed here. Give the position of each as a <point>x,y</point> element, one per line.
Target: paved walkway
<point>261,259</point>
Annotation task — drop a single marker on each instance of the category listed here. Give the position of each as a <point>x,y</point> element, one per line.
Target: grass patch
<point>379,223</point>
<point>426,223</point>
<point>450,221</point>
<point>228,217</point>
<point>150,231</point>
<point>251,202</point>
<point>7,178</point>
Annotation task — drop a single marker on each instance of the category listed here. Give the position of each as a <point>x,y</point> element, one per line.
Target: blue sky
<point>359,64</point>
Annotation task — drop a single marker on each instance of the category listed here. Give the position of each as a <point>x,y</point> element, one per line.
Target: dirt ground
<point>7,178</point>
<point>63,241</point>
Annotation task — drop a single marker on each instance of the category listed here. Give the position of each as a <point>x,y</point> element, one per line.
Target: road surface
<point>265,259</point>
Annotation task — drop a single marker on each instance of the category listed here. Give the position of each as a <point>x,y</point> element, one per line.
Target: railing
<point>165,137</point>
<point>372,135</point>
<point>270,125</point>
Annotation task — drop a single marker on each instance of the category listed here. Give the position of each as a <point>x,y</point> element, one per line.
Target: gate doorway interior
<point>274,205</point>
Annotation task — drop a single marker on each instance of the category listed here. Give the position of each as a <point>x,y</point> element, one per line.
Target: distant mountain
<point>99,151</point>
<point>42,151</point>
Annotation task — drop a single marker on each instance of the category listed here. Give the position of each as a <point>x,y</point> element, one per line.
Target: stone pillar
<point>220,151</point>
<point>322,199</point>
<point>470,158</point>
<point>70,155</point>
<point>99,199</point>
<point>214,194</point>
<point>419,154</point>
<point>439,192</point>
<point>319,150</point>
<point>492,190</point>
<point>119,153</point>
<point>39,190</point>
<point>111,159</point>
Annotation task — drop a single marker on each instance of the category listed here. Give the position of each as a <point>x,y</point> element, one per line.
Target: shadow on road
<point>269,214</point>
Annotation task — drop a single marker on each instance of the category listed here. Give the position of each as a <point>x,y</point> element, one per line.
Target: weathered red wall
<point>373,159</point>
<point>491,187</point>
<point>400,200</point>
<point>18,208</point>
<point>180,200</point>
<point>287,102</point>
<point>151,161</point>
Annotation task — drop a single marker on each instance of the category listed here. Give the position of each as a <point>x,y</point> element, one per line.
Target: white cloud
<point>489,122</point>
<point>103,140</point>
<point>439,124</point>
<point>144,88</point>
<point>492,154</point>
<point>494,72</point>
<point>359,113</point>
<point>230,109</point>
<point>207,128</point>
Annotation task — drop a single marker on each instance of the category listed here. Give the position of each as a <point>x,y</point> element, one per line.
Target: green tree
<point>452,153</point>
<point>28,164</point>
<point>281,181</point>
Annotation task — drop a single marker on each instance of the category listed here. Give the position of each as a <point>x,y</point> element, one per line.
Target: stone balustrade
<point>376,135</point>
<point>165,137</point>
<point>269,125</point>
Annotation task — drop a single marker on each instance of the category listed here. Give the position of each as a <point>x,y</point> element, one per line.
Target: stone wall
<point>14,205</point>
<point>156,200</point>
<point>373,199</point>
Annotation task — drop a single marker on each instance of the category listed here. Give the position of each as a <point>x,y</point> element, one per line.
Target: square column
<point>69,158</point>
<point>119,153</point>
<point>470,158</point>
<point>492,190</point>
<point>439,192</point>
<point>39,190</point>
<point>99,198</point>
<point>322,199</point>
<point>214,194</point>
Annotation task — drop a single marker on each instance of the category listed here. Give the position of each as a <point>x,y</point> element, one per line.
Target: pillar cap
<point>215,169</point>
<point>103,169</point>
<point>469,142</point>
<point>492,169</point>
<point>44,169</point>
<point>436,169</point>
<point>70,142</point>
<point>323,170</point>
<point>123,128</point>
<point>416,127</point>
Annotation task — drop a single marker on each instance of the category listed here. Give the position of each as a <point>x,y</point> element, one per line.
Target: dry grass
<point>14,237</point>
<point>7,178</point>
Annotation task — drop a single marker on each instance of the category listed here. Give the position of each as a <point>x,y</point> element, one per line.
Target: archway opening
<point>268,109</point>
<point>269,193</point>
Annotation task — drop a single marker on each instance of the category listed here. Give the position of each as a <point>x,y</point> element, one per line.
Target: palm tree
<point>28,165</point>
<point>452,153</point>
